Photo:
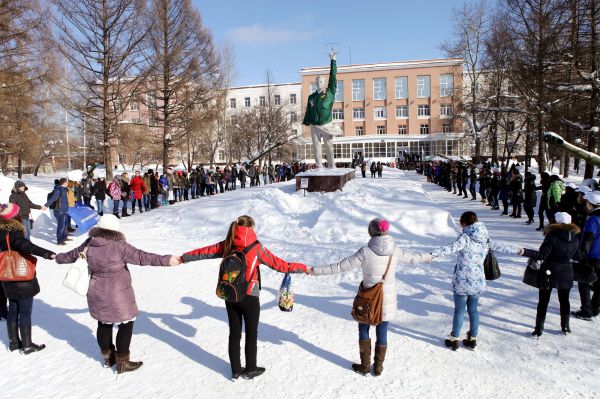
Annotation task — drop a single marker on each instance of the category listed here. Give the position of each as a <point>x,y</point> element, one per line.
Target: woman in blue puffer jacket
<point>468,282</point>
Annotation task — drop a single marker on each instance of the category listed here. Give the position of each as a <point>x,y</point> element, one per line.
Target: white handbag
<point>78,275</point>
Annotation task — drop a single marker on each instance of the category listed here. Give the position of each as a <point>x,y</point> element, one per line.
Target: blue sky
<point>284,36</point>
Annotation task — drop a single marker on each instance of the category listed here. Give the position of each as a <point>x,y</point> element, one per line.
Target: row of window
<point>402,129</point>
<point>423,111</point>
<point>262,100</point>
<point>293,118</point>
<point>400,88</point>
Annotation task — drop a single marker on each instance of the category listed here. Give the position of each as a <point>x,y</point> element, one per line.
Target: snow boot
<point>539,326</point>
<point>124,213</point>
<point>28,346</point>
<point>109,357</point>
<point>582,315</point>
<point>117,215</point>
<point>451,342</point>
<point>379,358</point>
<point>236,376</point>
<point>470,342</point>
<point>364,346</point>
<point>14,342</point>
<point>254,373</point>
<point>124,365</point>
<point>564,324</point>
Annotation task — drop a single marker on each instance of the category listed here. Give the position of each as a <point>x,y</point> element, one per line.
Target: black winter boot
<point>13,337</point>
<point>254,373</point>
<point>470,342</point>
<point>364,346</point>
<point>539,326</point>
<point>379,358</point>
<point>109,357</point>
<point>124,365</point>
<point>564,324</point>
<point>28,346</point>
<point>452,342</point>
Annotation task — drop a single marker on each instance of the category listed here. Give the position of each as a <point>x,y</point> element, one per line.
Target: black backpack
<point>55,203</point>
<point>232,285</point>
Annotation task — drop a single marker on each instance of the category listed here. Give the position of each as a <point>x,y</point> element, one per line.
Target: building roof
<point>438,62</point>
<point>264,85</point>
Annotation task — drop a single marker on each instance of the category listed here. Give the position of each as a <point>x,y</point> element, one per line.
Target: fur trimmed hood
<point>11,225</point>
<point>109,235</point>
<point>562,229</point>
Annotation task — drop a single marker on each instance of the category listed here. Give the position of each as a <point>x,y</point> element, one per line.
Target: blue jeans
<point>100,206</point>
<point>61,226</point>
<point>19,311</point>
<point>116,206</point>
<point>27,224</point>
<point>380,331</point>
<point>470,302</point>
<point>146,201</point>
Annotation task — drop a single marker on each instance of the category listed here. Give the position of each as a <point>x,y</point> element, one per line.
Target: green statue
<point>555,139</point>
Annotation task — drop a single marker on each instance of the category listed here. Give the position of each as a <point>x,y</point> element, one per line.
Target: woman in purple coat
<point>110,296</point>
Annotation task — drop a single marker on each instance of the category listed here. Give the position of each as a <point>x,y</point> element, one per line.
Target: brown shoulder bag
<point>16,267</point>
<point>368,303</point>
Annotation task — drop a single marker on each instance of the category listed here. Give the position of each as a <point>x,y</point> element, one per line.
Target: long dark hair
<point>245,221</point>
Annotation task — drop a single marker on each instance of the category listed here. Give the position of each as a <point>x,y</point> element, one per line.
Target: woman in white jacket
<point>373,259</point>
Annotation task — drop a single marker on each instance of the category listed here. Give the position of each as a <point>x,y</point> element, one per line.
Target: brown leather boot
<point>379,358</point>
<point>123,363</point>
<point>365,357</point>
<point>109,357</point>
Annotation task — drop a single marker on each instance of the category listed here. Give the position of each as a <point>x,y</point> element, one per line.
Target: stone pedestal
<point>325,180</point>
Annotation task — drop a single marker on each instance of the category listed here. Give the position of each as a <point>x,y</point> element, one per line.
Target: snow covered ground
<point>181,332</point>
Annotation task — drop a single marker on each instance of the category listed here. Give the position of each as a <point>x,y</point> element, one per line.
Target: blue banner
<point>84,216</point>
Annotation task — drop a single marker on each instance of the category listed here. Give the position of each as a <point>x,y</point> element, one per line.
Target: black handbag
<point>490,266</point>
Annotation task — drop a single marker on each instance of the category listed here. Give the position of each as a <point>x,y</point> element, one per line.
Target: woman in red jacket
<point>241,236</point>
<point>138,187</point>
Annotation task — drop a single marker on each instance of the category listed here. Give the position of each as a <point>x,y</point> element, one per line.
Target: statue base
<point>324,180</point>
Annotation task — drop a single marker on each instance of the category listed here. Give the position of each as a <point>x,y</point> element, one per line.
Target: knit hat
<point>378,227</point>
<point>9,211</point>
<point>109,222</point>
<point>19,184</point>
<point>562,218</point>
<point>593,197</point>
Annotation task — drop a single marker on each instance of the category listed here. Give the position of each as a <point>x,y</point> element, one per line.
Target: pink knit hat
<point>379,227</point>
<point>9,211</point>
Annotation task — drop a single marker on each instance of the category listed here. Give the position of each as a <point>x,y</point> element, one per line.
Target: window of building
<point>358,114</point>
<point>402,111</point>
<point>380,129</point>
<point>136,121</point>
<point>401,87</point>
<point>277,99</point>
<point>446,85</point>
<point>338,114</point>
<point>511,126</point>
<point>402,129</point>
<point>380,112</point>
<point>446,128</point>
<point>424,129</point>
<point>233,120</point>
<point>379,89</point>
<point>423,111</point>
<point>293,117</point>
<point>293,98</point>
<point>446,110</point>
<point>134,106</point>
<point>247,102</point>
<point>339,91</point>
<point>359,130</point>
<point>423,86</point>
<point>294,132</point>
<point>151,100</point>
<point>358,90</point>
<point>262,101</point>
<point>221,155</point>
<point>232,103</point>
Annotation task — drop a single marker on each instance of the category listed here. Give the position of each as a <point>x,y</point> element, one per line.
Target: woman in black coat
<point>19,293</point>
<point>530,192</point>
<point>99,191</point>
<point>559,248</point>
<point>545,185</point>
<point>516,188</point>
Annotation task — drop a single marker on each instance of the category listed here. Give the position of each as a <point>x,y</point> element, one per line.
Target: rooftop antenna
<point>332,46</point>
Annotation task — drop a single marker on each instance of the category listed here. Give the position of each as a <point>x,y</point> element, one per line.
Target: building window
<point>446,128</point>
<point>134,106</point>
<point>293,98</point>
<point>247,102</point>
<point>359,130</point>
<point>380,129</point>
<point>446,110</point>
<point>402,111</point>
<point>294,132</point>
<point>221,155</point>
<point>358,114</point>
<point>339,91</point>
<point>446,85</point>
<point>277,99</point>
<point>402,129</point>
<point>358,90</point>
<point>424,129</point>
<point>151,100</point>
<point>293,117</point>
<point>423,86</point>
<point>232,103</point>
<point>511,126</point>
<point>136,121</point>
<point>262,101</point>
<point>423,111</point>
<point>380,112</point>
<point>233,120</point>
<point>401,88</point>
<point>338,114</point>
<point>379,89</point>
